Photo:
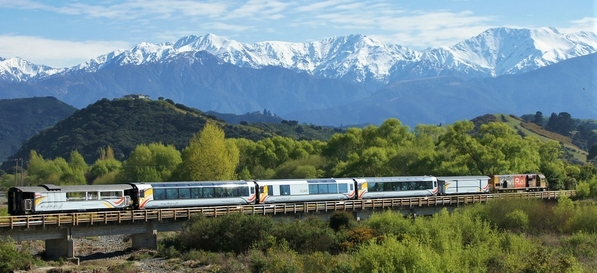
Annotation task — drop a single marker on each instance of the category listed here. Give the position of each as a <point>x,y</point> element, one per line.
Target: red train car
<point>518,182</point>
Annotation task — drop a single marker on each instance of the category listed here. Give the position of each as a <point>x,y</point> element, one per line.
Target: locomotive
<point>48,198</point>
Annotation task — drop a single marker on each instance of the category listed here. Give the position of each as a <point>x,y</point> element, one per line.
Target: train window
<point>332,188</point>
<point>343,187</point>
<point>220,192</point>
<point>195,193</point>
<point>252,190</point>
<point>284,189</point>
<point>184,193</point>
<point>208,192</point>
<point>313,189</point>
<point>159,194</point>
<point>142,193</point>
<point>172,194</point>
<point>231,192</point>
<point>244,191</point>
<point>76,196</point>
<point>351,187</point>
<point>270,190</point>
<point>323,188</point>
<point>110,194</point>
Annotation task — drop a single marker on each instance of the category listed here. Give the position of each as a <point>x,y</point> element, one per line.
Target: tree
<point>153,162</point>
<point>562,123</point>
<point>209,156</point>
<point>538,119</point>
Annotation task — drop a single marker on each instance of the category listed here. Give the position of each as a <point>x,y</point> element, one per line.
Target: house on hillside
<point>136,96</point>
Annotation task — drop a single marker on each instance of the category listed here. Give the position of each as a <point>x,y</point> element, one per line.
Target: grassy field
<point>530,129</point>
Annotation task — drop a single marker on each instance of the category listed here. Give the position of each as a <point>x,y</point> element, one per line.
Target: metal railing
<point>128,216</point>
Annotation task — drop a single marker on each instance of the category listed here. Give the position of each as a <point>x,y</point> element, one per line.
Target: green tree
<point>153,162</point>
<point>209,156</point>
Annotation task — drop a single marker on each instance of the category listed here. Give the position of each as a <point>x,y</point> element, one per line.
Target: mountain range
<point>341,80</point>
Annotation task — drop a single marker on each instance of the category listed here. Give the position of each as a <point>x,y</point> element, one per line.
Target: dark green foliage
<point>23,118</point>
<point>230,233</point>
<point>307,236</point>
<point>341,219</point>
<point>123,124</point>
<point>561,123</point>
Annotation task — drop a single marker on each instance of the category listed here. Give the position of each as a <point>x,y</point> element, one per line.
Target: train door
<point>264,192</point>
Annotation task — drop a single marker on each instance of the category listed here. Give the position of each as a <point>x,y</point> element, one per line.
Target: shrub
<point>12,259</point>
<point>229,233</point>
<point>307,236</point>
<point>341,219</point>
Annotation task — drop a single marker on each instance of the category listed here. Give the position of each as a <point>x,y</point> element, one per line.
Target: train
<point>49,198</point>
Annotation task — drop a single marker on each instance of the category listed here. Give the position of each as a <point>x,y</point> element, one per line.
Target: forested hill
<point>21,119</point>
<point>125,123</point>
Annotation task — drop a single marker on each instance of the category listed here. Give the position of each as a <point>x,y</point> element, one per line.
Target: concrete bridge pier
<point>147,240</point>
<point>62,248</point>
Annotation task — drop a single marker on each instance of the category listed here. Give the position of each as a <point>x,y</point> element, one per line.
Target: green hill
<point>21,119</point>
<point>525,128</point>
<point>125,123</point>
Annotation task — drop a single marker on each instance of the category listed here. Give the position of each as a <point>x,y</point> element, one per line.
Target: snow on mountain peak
<point>359,58</point>
<point>16,70</point>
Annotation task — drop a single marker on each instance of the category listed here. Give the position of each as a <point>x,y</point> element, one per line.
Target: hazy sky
<point>65,33</point>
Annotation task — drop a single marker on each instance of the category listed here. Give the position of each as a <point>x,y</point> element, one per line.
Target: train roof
<point>399,178</point>
<point>464,177</point>
<point>179,184</point>
<point>73,188</point>
<point>302,180</point>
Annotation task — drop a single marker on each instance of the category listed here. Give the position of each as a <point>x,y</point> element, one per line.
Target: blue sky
<point>65,33</point>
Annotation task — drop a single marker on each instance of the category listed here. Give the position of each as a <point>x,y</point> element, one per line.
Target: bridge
<point>58,230</point>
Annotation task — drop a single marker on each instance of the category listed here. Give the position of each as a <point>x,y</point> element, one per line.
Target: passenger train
<point>48,198</point>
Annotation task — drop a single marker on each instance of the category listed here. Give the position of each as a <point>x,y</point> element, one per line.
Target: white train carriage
<point>49,198</point>
<point>194,194</point>
<point>305,190</point>
<point>397,187</point>
<point>463,184</point>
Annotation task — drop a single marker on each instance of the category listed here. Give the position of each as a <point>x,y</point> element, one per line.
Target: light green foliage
<point>209,156</point>
<point>392,255</point>
<point>495,149</point>
<point>57,171</point>
<point>12,259</point>
<point>588,188</point>
<point>563,213</point>
<point>7,181</point>
<point>153,162</point>
<point>370,151</point>
<point>105,167</point>
<point>517,220</point>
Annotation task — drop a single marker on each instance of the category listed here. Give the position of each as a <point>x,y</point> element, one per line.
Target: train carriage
<point>194,194</point>
<point>48,198</point>
<point>462,184</point>
<point>305,190</point>
<point>399,186</point>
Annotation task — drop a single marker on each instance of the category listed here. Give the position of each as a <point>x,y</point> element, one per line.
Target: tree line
<point>390,149</point>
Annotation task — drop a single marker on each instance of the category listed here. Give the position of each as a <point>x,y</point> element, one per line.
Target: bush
<point>307,236</point>
<point>12,259</point>
<point>229,233</point>
<point>341,219</point>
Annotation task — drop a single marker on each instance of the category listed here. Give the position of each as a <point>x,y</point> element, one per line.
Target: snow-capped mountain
<point>356,58</point>
<point>16,69</point>
<point>501,51</point>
